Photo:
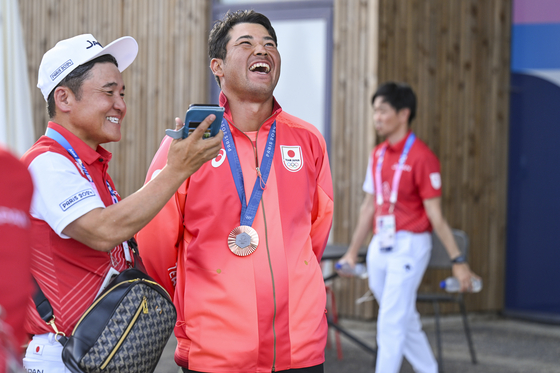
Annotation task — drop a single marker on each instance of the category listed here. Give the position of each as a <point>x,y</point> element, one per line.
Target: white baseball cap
<point>68,54</point>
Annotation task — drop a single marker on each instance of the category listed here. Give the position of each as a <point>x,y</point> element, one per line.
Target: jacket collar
<point>276,109</point>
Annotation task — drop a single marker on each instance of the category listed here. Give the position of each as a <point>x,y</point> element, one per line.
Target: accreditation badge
<point>385,231</point>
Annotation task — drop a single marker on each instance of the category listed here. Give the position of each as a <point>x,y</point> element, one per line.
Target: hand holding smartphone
<point>195,115</point>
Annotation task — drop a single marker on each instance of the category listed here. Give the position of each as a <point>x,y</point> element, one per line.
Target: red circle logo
<point>291,153</point>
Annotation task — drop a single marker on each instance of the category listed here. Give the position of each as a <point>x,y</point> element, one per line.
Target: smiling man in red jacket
<point>239,246</point>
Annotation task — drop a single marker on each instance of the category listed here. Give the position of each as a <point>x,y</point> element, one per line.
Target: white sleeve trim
<point>61,194</point>
<point>368,182</point>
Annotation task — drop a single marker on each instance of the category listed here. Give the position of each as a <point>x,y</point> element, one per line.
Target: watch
<point>459,259</point>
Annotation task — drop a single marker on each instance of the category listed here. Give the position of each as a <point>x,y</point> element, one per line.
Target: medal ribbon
<point>396,176</point>
<point>53,134</point>
<point>249,210</point>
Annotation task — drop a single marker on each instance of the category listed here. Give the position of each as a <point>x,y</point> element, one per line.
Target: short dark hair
<point>75,79</point>
<point>399,96</point>
<point>219,35</point>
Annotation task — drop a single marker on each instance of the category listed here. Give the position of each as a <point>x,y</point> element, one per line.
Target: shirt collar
<point>276,109</point>
<point>85,152</point>
<point>398,146</point>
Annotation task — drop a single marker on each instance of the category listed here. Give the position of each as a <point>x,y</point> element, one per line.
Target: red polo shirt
<point>69,272</point>
<point>420,180</point>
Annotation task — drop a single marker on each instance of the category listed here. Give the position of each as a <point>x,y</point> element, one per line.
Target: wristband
<point>459,259</point>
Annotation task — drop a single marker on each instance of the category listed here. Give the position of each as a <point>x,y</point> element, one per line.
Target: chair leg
<point>438,337</point>
<point>335,320</point>
<point>467,331</point>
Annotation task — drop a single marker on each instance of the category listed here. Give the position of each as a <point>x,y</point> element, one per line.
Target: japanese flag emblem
<point>291,158</point>
<point>38,350</point>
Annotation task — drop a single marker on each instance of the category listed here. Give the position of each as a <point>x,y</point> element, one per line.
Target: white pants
<point>44,354</point>
<point>394,277</point>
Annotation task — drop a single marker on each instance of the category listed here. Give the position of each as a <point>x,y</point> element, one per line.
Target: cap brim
<point>124,50</point>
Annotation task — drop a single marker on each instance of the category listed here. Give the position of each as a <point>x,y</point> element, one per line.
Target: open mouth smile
<point>113,120</point>
<point>260,67</point>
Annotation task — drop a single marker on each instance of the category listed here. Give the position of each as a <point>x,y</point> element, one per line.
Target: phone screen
<point>193,125</point>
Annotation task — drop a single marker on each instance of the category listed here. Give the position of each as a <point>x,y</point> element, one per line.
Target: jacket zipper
<point>268,254</point>
<point>255,150</point>
<point>273,288</point>
<point>143,308</point>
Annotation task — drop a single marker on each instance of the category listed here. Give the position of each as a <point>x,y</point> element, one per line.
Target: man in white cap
<point>79,229</point>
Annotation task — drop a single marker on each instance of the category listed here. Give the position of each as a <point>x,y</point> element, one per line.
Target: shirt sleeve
<point>159,240</point>
<point>428,177</point>
<point>61,193</point>
<point>368,182</point>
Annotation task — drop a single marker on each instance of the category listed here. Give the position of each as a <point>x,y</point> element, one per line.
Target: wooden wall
<point>455,55</point>
<point>169,73</point>
<point>355,65</point>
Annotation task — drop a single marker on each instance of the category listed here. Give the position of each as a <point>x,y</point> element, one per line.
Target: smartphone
<point>195,115</point>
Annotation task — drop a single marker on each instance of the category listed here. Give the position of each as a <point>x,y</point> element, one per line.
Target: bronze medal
<point>243,240</point>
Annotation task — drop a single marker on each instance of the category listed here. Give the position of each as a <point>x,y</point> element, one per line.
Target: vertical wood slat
<point>354,78</point>
<point>171,37</point>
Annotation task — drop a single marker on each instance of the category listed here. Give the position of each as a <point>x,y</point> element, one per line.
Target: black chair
<point>335,252</point>
<point>440,259</point>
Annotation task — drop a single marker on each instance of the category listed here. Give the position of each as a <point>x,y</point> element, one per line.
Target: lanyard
<point>249,211</point>
<point>53,134</point>
<point>397,175</point>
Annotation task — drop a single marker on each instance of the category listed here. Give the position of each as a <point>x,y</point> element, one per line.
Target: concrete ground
<point>502,345</point>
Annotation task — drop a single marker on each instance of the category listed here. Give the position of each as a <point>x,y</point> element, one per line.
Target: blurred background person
<point>402,205</point>
<point>16,191</point>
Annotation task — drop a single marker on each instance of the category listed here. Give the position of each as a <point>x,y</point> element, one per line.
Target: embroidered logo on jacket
<point>220,158</point>
<point>291,157</point>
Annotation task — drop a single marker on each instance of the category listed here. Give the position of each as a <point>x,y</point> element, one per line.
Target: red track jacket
<point>265,311</point>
